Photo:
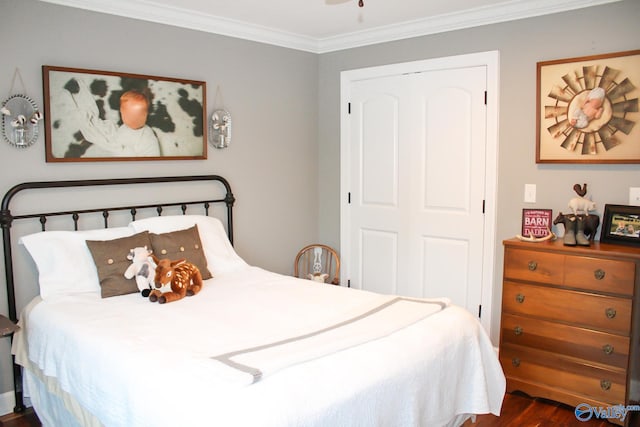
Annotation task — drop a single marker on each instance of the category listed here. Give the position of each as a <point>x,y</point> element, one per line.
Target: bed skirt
<point>52,404</point>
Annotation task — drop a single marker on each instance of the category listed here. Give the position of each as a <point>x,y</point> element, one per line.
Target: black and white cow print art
<point>85,115</point>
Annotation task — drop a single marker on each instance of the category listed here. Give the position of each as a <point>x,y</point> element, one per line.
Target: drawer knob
<point>607,348</point>
<point>515,362</point>
<point>599,274</point>
<point>610,312</point>
<point>605,385</point>
<point>533,265</point>
<point>520,298</point>
<point>517,330</point>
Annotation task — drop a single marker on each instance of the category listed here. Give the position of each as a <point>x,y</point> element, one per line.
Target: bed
<point>252,348</point>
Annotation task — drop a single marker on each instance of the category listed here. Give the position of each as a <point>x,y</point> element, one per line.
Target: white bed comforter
<point>132,363</point>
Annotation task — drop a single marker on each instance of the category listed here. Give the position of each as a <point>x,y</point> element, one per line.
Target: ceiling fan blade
<point>332,2</point>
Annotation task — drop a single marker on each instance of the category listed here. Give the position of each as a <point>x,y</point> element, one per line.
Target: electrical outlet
<point>634,196</point>
<point>529,193</point>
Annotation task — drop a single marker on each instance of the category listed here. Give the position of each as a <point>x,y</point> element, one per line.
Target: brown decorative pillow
<point>110,257</point>
<point>181,244</point>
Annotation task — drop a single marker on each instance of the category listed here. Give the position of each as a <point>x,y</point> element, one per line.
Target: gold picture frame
<point>93,115</point>
<point>587,109</point>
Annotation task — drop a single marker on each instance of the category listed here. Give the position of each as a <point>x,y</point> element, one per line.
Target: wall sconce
<point>220,129</point>
<point>20,121</point>
<point>20,117</point>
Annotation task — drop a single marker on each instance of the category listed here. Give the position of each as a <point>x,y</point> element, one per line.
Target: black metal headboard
<point>7,218</point>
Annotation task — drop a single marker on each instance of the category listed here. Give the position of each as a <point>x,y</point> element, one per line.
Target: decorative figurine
<point>577,226</point>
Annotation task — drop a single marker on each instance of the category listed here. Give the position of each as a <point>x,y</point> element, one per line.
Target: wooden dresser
<point>570,328</point>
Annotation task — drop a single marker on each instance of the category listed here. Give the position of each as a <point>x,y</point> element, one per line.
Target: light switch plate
<point>634,196</point>
<point>529,193</point>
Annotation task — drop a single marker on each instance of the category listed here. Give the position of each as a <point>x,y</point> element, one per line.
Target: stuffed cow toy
<point>143,268</point>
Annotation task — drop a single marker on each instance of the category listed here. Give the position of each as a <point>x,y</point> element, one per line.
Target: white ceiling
<point>327,25</point>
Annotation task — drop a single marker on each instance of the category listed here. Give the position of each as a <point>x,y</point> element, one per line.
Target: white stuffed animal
<point>318,277</point>
<point>142,268</point>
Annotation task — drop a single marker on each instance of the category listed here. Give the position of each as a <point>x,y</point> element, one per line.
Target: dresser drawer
<point>543,267</point>
<point>572,307</point>
<point>591,381</point>
<point>600,275</point>
<point>600,347</point>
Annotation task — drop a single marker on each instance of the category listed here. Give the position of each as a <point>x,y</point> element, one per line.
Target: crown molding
<point>502,12</point>
<point>179,17</point>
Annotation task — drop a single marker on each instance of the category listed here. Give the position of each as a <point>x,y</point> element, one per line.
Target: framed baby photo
<point>621,225</point>
<point>587,109</point>
<point>93,116</point>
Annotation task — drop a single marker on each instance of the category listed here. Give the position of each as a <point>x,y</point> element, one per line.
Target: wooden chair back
<point>314,261</point>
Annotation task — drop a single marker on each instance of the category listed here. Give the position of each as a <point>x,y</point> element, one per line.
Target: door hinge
<point>479,311</point>
<point>349,197</point>
<point>349,108</point>
<point>348,283</point>
<point>485,97</point>
<point>483,205</point>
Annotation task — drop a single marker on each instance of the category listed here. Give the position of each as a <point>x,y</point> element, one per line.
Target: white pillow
<point>221,257</point>
<point>65,265</point>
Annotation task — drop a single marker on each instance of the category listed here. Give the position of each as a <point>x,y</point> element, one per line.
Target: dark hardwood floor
<point>26,419</point>
<point>517,411</point>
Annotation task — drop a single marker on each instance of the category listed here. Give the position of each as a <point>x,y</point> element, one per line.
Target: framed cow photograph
<point>95,115</point>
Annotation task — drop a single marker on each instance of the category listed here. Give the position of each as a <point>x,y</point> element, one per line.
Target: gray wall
<point>284,164</point>
<point>521,44</point>
<point>271,93</point>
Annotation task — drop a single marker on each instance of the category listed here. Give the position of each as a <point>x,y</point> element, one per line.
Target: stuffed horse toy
<point>183,277</point>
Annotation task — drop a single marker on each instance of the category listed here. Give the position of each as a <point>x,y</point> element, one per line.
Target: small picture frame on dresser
<point>621,225</point>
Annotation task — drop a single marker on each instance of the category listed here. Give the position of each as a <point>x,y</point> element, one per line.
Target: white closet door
<point>417,178</point>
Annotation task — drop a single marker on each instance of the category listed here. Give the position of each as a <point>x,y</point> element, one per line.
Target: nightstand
<point>7,327</point>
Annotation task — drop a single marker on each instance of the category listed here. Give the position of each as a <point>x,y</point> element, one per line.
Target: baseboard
<point>8,402</point>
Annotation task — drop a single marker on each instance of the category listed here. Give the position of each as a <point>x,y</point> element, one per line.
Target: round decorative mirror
<point>220,129</point>
<point>20,121</point>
